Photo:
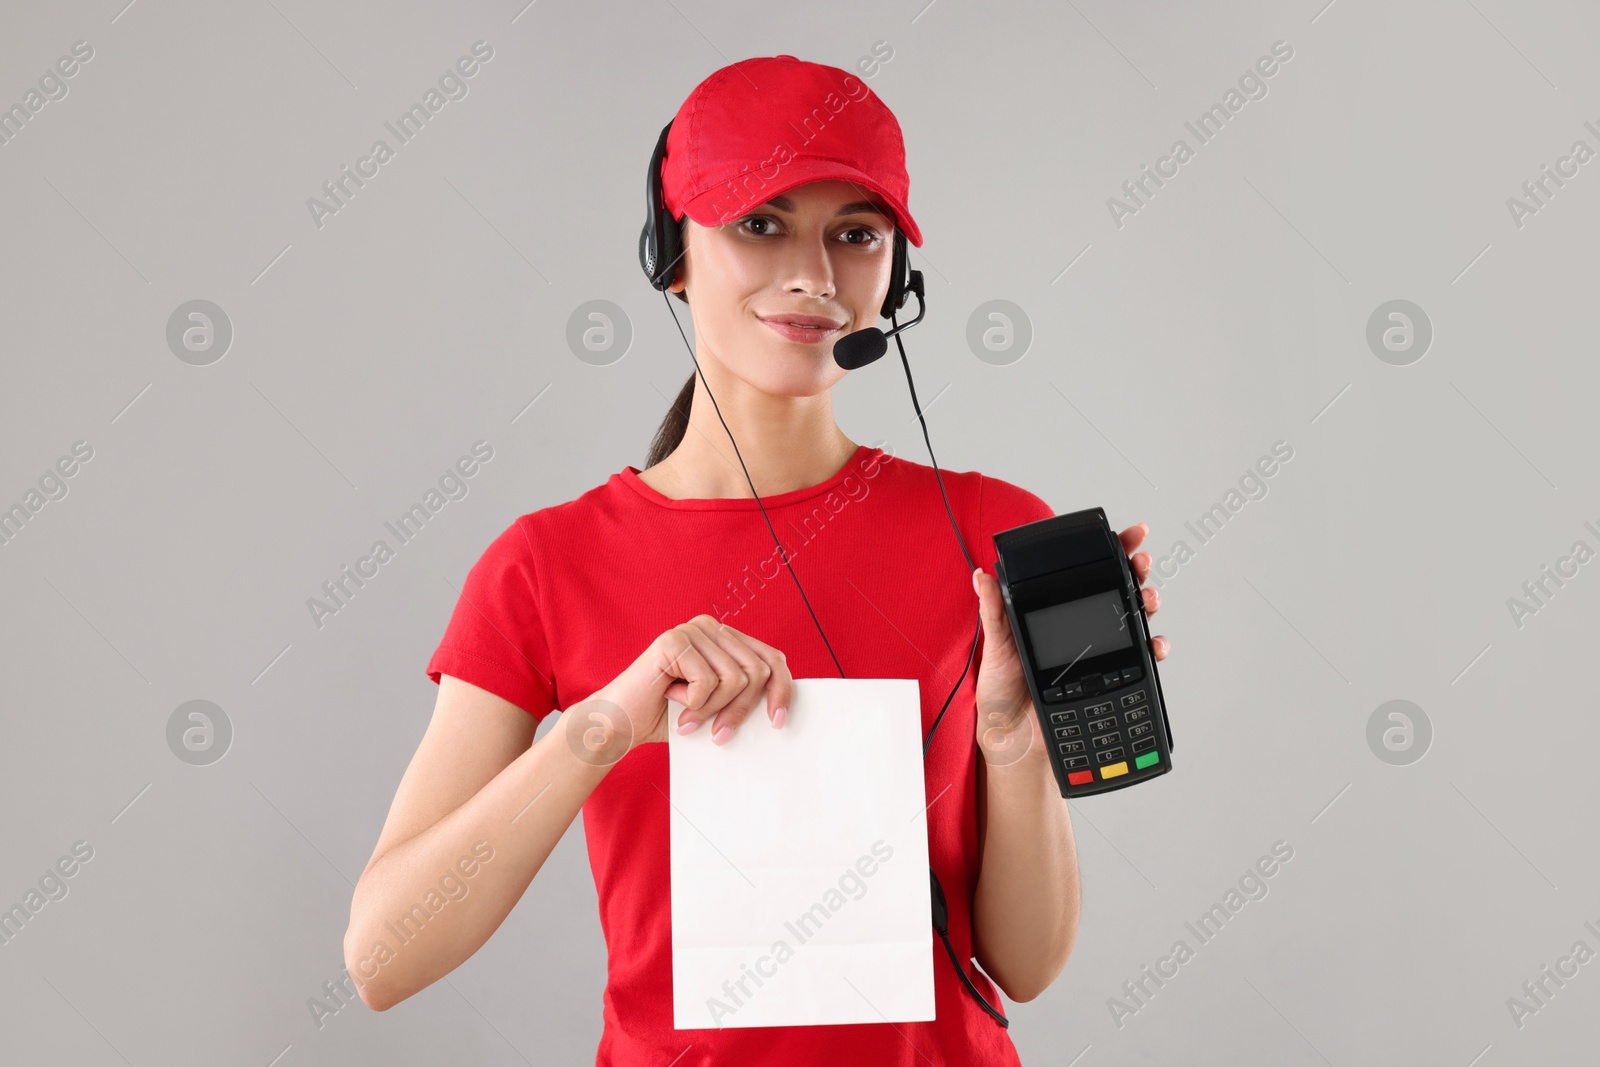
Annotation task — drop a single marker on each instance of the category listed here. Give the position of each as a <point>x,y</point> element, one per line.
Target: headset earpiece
<point>903,281</point>
<point>661,240</point>
<point>895,298</point>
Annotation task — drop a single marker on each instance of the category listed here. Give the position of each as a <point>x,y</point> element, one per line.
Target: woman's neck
<point>787,443</point>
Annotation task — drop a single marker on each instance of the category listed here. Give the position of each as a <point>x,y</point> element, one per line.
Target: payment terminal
<point>1080,628</point>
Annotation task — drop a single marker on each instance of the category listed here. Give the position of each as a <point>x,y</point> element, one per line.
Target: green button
<point>1145,760</point>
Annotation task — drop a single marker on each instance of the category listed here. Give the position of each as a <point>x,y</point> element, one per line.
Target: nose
<point>809,270</point>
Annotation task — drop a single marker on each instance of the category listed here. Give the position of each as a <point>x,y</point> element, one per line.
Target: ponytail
<point>676,423</point>
<point>673,426</point>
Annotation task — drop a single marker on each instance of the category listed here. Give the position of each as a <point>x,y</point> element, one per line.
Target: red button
<point>1079,777</point>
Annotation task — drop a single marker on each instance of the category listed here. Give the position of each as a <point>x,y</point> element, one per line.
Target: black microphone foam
<point>857,349</point>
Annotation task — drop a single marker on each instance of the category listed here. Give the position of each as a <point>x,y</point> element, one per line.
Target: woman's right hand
<point>713,670</point>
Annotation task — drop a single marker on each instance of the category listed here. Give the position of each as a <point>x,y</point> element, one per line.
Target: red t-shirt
<point>567,596</point>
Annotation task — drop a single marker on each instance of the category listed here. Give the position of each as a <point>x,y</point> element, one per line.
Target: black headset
<point>661,242</point>
<point>660,248</point>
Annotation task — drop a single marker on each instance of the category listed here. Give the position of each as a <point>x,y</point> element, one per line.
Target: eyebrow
<point>783,203</point>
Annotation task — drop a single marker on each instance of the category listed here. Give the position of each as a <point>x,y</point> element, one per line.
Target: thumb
<point>997,636</point>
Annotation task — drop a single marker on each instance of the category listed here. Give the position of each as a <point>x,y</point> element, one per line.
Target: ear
<point>680,273</point>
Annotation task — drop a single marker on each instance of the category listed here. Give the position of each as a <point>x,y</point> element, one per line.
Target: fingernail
<point>975,583</point>
<point>689,727</point>
<point>722,735</point>
<point>778,717</point>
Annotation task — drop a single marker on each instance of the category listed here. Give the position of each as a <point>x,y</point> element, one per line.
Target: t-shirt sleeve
<point>496,638</point>
<point>1002,506</point>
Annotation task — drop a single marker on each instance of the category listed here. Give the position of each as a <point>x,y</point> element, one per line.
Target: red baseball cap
<point>757,128</point>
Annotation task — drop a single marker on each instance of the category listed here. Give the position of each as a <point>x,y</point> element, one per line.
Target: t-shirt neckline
<point>630,477</point>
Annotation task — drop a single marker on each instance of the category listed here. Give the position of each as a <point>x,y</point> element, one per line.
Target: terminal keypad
<point>1102,715</point>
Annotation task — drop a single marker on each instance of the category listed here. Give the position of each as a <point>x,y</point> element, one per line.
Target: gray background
<point>1229,313</point>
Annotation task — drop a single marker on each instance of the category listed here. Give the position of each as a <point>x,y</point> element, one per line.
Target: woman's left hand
<point>1008,728</point>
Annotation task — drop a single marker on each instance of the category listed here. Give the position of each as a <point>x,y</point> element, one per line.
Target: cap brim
<point>731,201</point>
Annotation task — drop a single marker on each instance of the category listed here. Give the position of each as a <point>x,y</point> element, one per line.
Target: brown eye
<point>753,219</point>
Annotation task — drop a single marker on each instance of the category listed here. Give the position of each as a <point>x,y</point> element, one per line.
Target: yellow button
<point>1114,770</point>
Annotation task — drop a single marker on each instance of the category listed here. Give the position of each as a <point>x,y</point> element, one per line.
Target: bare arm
<point>479,809</point>
<point>1027,902</point>
<point>475,779</point>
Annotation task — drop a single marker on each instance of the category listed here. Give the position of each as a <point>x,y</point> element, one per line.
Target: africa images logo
<point>453,85</point>
<point>1211,122</point>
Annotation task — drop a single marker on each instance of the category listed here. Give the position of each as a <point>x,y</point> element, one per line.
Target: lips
<point>806,329</point>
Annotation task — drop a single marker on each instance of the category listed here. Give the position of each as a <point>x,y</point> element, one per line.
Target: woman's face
<point>820,251</point>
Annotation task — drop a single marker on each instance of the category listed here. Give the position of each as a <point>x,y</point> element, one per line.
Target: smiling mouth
<point>801,333</point>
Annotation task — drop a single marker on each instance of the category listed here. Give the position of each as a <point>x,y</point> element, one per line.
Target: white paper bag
<point>800,888</point>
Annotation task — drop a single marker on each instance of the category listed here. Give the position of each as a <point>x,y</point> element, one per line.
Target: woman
<point>665,584</point>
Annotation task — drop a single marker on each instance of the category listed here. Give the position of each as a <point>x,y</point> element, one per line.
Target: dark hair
<point>673,427</point>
